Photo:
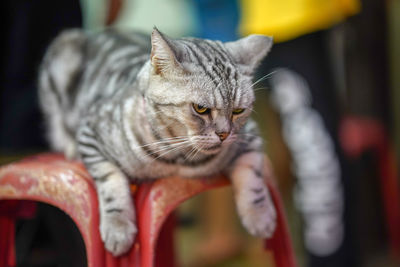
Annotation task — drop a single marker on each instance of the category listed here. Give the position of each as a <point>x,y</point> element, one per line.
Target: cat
<point>134,107</point>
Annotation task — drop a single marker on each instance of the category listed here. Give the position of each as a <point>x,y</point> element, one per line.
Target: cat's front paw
<point>118,233</point>
<point>259,216</point>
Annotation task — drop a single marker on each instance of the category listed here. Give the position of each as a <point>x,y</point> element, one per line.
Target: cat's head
<point>204,88</point>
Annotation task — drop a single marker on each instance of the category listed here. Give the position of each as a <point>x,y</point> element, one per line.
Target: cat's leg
<point>60,139</point>
<point>253,201</point>
<point>117,213</point>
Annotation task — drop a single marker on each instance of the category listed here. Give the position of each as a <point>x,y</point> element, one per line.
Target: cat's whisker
<point>264,77</point>
<point>196,150</point>
<point>203,137</point>
<point>174,137</point>
<point>172,150</point>
<point>173,146</point>
<point>165,141</point>
<point>161,143</point>
<point>191,152</point>
<point>260,88</point>
<point>253,111</point>
<point>165,153</point>
<point>167,147</point>
<point>171,140</point>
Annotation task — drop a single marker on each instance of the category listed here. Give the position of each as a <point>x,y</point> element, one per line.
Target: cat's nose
<point>222,135</point>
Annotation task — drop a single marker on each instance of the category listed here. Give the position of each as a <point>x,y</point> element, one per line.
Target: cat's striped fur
<point>125,104</point>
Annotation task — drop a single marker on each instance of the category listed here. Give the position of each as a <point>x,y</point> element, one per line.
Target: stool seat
<point>52,179</point>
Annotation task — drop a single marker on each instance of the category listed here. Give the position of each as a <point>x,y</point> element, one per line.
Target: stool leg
<point>280,244</point>
<point>165,253</point>
<point>7,241</point>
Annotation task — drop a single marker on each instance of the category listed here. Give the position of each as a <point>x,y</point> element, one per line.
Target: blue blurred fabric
<point>217,19</point>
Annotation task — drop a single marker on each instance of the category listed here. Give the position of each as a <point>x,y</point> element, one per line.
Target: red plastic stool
<point>51,179</point>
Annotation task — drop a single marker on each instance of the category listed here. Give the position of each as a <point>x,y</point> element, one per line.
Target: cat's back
<point>114,42</point>
<point>112,61</point>
<point>80,68</point>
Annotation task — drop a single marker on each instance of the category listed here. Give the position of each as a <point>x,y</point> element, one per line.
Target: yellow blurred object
<point>288,19</point>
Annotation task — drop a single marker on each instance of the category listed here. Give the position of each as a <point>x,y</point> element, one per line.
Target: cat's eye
<point>201,109</point>
<point>237,111</point>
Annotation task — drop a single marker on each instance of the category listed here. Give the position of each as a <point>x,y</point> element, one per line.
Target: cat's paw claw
<point>260,221</point>
<point>118,234</point>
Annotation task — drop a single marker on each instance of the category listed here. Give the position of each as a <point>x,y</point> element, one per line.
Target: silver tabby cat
<point>134,108</point>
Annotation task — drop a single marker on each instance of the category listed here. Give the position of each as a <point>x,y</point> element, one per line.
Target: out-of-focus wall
<point>393,10</point>
<point>172,17</point>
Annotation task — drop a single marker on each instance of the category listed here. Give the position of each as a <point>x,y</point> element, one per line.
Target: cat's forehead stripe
<point>222,70</point>
<point>201,49</point>
<point>195,56</point>
<point>214,50</point>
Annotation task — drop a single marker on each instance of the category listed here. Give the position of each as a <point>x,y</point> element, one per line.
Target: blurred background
<point>328,105</point>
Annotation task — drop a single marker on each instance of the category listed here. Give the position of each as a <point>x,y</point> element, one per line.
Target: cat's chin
<point>211,149</point>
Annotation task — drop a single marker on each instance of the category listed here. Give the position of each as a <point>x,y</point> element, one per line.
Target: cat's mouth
<point>213,148</point>
<point>209,150</point>
<point>206,144</point>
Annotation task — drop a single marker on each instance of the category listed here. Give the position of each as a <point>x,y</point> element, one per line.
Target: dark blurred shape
<point>362,137</point>
<point>366,59</point>
<point>373,170</point>
<point>28,27</point>
<point>49,239</point>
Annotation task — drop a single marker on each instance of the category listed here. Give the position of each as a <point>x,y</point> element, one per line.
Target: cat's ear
<point>163,55</point>
<point>250,50</point>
